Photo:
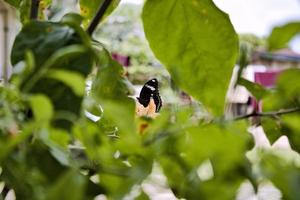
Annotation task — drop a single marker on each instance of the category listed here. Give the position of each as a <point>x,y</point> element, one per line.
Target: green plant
<point>50,149</point>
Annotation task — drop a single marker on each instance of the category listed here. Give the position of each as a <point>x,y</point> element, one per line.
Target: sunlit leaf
<point>197,44</point>
<point>88,8</point>
<point>281,35</point>
<point>42,108</point>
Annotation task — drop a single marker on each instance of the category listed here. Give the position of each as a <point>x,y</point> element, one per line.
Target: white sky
<point>257,16</point>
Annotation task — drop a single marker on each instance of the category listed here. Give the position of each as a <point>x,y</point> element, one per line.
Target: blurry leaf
<point>293,121</point>
<point>197,44</point>
<point>288,84</point>
<point>25,6</point>
<point>255,89</point>
<point>88,8</point>
<point>72,18</point>
<point>34,167</point>
<point>44,4</point>
<point>72,79</point>
<point>244,58</point>
<point>59,47</point>
<point>110,90</point>
<point>225,147</point>
<point>176,176</point>
<point>9,146</point>
<point>142,196</point>
<point>42,108</point>
<point>70,186</point>
<point>281,35</point>
<point>288,180</point>
<point>272,128</point>
<point>209,141</point>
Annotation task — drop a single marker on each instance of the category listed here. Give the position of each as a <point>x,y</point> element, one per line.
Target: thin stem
<point>34,9</point>
<point>101,11</point>
<point>268,114</point>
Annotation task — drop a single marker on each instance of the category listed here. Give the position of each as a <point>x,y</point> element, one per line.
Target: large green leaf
<point>281,35</point>
<point>89,8</point>
<point>197,44</point>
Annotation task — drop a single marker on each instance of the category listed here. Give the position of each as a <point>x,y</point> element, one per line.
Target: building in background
<point>264,68</point>
<point>8,29</point>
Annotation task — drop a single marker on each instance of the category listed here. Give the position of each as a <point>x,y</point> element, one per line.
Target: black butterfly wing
<point>150,89</point>
<point>157,101</point>
<point>145,96</point>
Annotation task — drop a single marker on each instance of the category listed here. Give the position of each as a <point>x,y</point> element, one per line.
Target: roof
<point>284,55</point>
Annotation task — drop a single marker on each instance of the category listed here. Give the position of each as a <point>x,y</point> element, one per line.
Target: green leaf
<point>42,108</point>
<point>56,46</point>
<point>225,147</point>
<point>110,90</point>
<point>72,79</point>
<point>288,84</point>
<point>25,6</point>
<point>197,44</point>
<point>89,8</point>
<point>281,35</point>
<point>142,196</point>
<point>70,186</point>
<point>257,90</point>
<point>288,178</point>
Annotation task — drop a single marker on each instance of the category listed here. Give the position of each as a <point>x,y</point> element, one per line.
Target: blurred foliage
<point>281,35</point>
<point>88,8</point>
<point>59,141</point>
<point>122,33</point>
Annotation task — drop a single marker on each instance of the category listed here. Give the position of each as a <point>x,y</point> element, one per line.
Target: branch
<point>269,114</point>
<point>34,9</point>
<point>101,11</point>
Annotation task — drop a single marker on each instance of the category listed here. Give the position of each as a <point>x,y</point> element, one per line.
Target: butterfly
<point>149,97</point>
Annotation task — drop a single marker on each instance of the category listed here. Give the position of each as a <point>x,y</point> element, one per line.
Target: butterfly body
<point>149,96</point>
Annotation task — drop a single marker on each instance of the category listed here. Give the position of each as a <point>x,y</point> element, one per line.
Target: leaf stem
<point>95,21</point>
<point>268,114</point>
<point>34,9</point>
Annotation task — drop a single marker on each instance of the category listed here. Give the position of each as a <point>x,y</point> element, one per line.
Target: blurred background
<point>122,33</point>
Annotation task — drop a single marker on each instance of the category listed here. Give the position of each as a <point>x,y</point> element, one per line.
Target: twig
<point>34,9</point>
<point>268,114</point>
<point>101,11</point>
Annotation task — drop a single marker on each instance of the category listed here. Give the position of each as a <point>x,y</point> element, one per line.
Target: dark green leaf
<point>197,44</point>
<point>60,47</point>
<point>72,79</point>
<point>70,186</point>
